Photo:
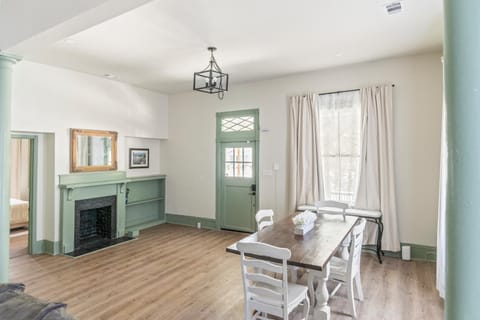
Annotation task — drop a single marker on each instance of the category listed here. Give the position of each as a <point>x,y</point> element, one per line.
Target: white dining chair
<point>331,207</point>
<point>264,218</point>
<point>335,207</point>
<point>265,295</point>
<point>347,271</point>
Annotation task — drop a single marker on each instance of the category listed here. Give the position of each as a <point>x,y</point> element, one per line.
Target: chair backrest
<point>331,207</point>
<point>262,291</point>
<point>356,248</point>
<point>264,218</point>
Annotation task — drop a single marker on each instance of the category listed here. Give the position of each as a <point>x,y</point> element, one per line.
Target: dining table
<point>311,251</point>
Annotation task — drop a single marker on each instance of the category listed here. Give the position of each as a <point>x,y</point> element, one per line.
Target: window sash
<point>340,145</point>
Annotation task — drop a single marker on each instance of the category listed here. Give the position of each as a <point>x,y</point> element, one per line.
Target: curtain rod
<point>343,91</point>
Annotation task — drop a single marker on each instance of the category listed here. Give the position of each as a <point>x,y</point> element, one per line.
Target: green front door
<point>238,186</point>
<point>237,169</point>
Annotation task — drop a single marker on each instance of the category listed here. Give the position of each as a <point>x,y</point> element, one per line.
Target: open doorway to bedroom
<point>21,173</point>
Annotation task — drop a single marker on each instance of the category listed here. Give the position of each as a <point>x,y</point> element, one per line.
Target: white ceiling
<point>159,45</point>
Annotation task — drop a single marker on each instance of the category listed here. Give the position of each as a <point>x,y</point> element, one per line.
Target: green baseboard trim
<point>191,221</point>
<point>422,253</point>
<point>38,247</point>
<point>46,246</point>
<point>52,247</point>
<point>373,250</point>
<point>418,252</point>
<point>133,233</point>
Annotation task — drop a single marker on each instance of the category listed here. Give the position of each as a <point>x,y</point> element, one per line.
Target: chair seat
<point>296,293</point>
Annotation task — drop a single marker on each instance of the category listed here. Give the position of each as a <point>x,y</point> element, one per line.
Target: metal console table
<point>371,215</point>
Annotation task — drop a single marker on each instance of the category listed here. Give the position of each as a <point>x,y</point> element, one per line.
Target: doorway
<point>237,170</point>
<point>22,155</point>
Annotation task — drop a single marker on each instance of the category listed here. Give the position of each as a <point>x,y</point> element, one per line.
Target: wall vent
<point>394,7</point>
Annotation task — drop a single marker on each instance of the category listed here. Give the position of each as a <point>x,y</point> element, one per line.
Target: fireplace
<point>95,222</point>
<point>104,193</point>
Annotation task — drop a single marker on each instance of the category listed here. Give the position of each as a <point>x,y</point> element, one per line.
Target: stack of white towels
<point>304,222</point>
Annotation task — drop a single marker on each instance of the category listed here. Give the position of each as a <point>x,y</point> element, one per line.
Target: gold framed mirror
<point>92,150</point>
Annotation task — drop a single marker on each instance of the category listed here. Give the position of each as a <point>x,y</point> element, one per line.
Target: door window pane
<point>238,155</point>
<point>238,170</point>
<point>229,170</point>
<point>228,154</point>
<point>247,170</point>
<point>239,162</point>
<point>247,154</point>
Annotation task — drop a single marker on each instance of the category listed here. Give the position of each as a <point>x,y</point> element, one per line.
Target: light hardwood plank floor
<point>176,272</point>
<point>18,243</point>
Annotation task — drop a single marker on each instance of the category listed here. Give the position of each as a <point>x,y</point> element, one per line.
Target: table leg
<point>379,238</point>
<point>322,310</point>
<point>344,254</point>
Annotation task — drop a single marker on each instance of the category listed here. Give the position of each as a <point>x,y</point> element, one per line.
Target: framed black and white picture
<point>139,158</point>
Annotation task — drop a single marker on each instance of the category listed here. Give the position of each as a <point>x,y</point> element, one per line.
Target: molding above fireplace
<point>82,180</point>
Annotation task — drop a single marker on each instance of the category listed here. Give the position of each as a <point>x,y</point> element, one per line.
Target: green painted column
<point>462,83</point>
<point>6,66</point>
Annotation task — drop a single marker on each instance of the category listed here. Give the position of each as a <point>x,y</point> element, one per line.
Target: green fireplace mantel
<point>80,186</point>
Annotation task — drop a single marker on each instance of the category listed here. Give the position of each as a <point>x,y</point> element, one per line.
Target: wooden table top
<point>312,250</point>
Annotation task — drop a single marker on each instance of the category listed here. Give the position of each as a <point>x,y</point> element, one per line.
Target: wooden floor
<point>175,272</point>
<point>18,243</point>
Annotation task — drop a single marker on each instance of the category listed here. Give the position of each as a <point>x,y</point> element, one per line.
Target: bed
<point>18,213</point>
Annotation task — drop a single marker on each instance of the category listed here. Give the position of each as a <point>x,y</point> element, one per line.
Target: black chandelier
<point>211,79</point>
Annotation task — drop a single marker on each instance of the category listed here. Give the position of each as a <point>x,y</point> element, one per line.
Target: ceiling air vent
<point>394,7</point>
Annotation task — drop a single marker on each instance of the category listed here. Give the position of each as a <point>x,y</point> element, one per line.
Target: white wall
<point>53,100</point>
<point>417,118</point>
<point>154,145</point>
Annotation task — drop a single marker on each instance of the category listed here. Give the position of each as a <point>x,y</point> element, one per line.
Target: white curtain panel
<point>340,144</point>
<point>442,206</point>
<point>376,188</point>
<point>305,181</point>
<point>20,169</point>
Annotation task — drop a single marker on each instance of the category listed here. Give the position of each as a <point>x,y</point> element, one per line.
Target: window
<point>239,162</point>
<point>340,143</point>
<point>238,124</point>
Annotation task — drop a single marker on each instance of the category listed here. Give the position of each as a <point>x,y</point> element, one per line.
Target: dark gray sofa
<point>16,305</point>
